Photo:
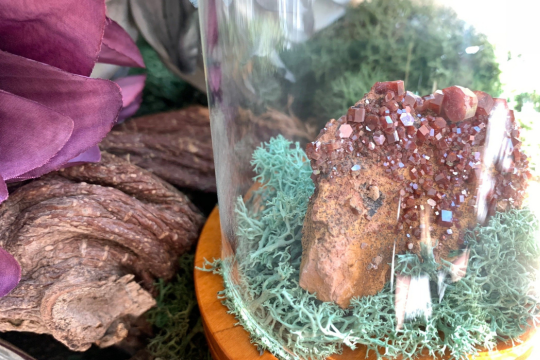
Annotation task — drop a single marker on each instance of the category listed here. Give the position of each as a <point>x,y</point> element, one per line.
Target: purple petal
<point>62,33</point>
<point>92,155</point>
<point>214,81</point>
<point>3,190</point>
<point>92,104</point>
<point>212,32</point>
<point>118,48</point>
<point>130,110</point>
<point>30,134</point>
<point>132,87</point>
<point>10,272</point>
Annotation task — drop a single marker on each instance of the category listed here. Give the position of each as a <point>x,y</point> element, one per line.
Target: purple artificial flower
<point>10,272</point>
<point>132,87</point>
<point>52,114</point>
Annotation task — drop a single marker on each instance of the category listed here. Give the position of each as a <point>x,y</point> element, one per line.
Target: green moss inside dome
<point>495,301</point>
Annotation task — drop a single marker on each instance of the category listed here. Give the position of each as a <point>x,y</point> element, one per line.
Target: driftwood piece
<point>177,146</point>
<point>90,241</point>
<point>174,145</point>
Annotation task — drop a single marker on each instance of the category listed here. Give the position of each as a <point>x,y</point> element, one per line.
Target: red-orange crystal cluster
<point>430,146</point>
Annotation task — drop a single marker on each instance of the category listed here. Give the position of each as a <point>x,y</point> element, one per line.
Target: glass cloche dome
<point>376,168</point>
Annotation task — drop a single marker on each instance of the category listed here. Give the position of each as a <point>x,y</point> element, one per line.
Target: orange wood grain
<point>230,342</point>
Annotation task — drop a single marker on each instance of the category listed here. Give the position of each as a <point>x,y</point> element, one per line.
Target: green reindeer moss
<point>495,301</point>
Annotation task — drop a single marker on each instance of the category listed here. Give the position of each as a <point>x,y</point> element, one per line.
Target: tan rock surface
<point>334,263</point>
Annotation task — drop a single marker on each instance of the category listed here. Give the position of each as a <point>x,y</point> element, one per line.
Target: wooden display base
<point>230,342</point>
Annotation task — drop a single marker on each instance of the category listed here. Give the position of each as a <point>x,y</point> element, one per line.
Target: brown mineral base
<point>392,158</point>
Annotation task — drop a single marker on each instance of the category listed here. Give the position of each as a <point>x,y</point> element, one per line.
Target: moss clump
<point>163,90</point>
<point>493,302</point>
<point>180,334</point>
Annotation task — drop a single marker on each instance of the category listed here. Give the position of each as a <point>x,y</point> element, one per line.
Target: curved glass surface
<point>376,168</point>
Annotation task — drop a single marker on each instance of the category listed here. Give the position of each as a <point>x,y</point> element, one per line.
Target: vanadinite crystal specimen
<point>393,160</point>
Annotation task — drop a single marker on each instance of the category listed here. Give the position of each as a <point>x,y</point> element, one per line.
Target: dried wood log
<point>90,241</point>
<point>177,147</point>
<point>174,145</point>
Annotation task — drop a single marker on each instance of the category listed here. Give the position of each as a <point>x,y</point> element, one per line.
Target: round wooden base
<point>230,342</point>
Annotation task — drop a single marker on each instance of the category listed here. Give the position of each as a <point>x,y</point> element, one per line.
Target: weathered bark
<point>177,146</point>
<point>174,145</point>
<point>91,240</point>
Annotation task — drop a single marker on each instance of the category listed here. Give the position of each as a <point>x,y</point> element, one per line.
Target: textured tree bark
<point>91,240</point>
<point>177,146</point>
<point>174,145</point>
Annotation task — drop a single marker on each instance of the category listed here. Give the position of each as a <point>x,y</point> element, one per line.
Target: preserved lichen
<point>494,302</point>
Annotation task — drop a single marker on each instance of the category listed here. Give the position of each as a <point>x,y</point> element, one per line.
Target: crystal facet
<point>439,123</point>
<point>379,140</point>
<point>345,131</point>
<point>435,102</point>
<point>446,218</point>
<point>459,103</point>
<point>406,119</point>
<point>372,121</point>
<point>397,87</point>
<point>485,103</point>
